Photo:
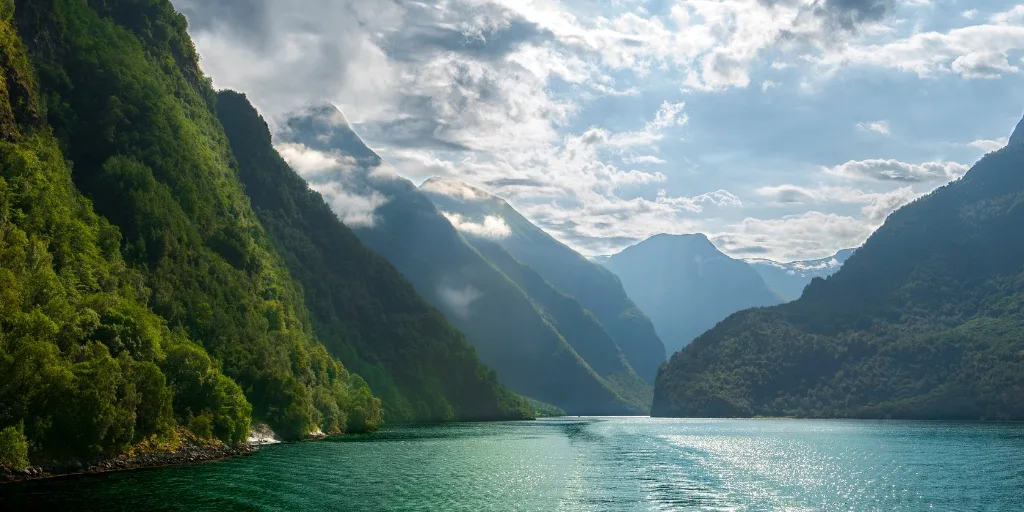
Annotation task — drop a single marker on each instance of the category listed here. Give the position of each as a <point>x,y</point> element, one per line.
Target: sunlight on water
<point>590,464</point>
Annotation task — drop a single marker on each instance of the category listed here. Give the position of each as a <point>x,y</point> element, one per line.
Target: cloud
<point>977,51</point>
<point>493,227</point>
<point>643,159</point>
<point>877,205</point>
<point>894,170</point>
<point>969,14</point>
<point>458,300</point>
<point>453,188</point>
<point>354,209</point>
<point>793,237</point>
<point>990,145</point>
<point>341,181</point>
<point>881,127</point>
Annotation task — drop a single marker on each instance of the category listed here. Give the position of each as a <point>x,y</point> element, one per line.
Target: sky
<point>782,129</point>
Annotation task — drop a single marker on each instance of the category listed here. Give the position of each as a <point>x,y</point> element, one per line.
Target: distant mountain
<point>789,279</point>
<point>509,331</point>
<point>925,320</point>
<point>590,284</point>
<point>686,285</point>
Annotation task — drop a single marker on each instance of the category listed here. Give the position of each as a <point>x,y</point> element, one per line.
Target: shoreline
<point>187,455</point>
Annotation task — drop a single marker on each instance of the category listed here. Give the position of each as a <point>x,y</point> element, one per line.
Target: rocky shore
<point>191,454</point>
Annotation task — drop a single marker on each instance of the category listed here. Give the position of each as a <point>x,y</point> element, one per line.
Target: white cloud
<point>312,164</point>
<point>877,205</point>
<point>493,227</point>
<point>969,14</point>
<point>1011,17</point>
<point>894,170</point>
<point>978,51</point>
<point>458,300</point>
<point>990,145</point>
<point>793,237</point>
<point>354,209</point>
<point>643,159</point>
<point>881,127</point>
<point>333,176</point>
<point>453,188</point>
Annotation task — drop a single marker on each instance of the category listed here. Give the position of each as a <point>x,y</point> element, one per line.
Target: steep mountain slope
<point>122,91</point>
<point>85,367</point>
<point>686,285</point>
<point>788,280</point>
<point>926,320</point>
<point>362,308</point>
<point>592,285</point>
<point>508,331</point>
<point>577,326</point>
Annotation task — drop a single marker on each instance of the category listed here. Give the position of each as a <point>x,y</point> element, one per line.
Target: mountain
<point>362,308</point>
<point>593,286</point>
<point>926,320</point>
<point>140,299</point>
<point>789,279</point>
<point>686,285</point>
<point>509,331</point>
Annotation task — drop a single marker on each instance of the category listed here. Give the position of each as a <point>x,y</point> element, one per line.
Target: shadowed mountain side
<point>498,319</point>
<point>363,309</point>
<point>593,286</point>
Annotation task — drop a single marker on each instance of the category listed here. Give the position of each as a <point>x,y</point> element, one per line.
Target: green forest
<point>925,321</point>
<point>142,298</point>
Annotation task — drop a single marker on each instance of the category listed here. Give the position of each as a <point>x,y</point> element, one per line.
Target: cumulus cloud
<point>881,127</point>
<point>894,170</point>
<point>808,235</point>
<point>989,145</point>
<point>976,51</point>
<point>492,227</point>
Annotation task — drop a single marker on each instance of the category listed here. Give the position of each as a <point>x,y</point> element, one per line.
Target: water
<point>584,464</point>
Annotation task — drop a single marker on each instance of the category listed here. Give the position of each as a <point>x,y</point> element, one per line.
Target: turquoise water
<point>582,464</point>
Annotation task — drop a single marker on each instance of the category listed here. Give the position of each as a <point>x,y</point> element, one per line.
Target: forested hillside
<point>154,298</point>
<point>590,284</point>
<point>926,320</point>
<point>686,285</point>
<point>508,331</point>
<point>366,313</point>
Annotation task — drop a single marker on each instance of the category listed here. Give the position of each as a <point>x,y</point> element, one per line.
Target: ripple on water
<point>588,464</point>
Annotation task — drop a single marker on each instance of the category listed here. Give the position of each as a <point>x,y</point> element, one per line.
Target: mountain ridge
<point>687,285</point>
<point>924,321</point>
<point>596,288</point>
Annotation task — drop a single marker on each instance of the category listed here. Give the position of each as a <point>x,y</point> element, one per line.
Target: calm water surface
<point>581,464</point>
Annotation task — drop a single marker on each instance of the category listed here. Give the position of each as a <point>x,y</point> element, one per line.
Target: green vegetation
<point>362,308</point>
<point>154,299</point>
<point>926,320</point>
